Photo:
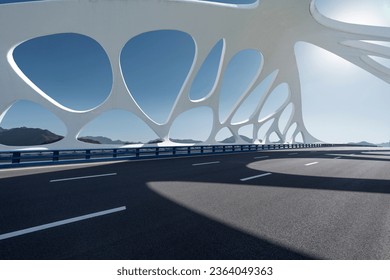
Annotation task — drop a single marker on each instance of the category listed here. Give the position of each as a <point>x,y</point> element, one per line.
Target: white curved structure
<point>271,26</point>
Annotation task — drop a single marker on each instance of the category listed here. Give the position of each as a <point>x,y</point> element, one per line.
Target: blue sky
<point>341,103</point>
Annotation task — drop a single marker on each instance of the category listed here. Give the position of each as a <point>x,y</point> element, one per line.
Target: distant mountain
<point>104,140</point>
<point>108,141</point>
<point>186,141</point>
<point>88,140</point>
<point>155,141</point>
<point>230,140</point>
<point>24,136</point>
<point>386,144</point>
<point>362,143</point>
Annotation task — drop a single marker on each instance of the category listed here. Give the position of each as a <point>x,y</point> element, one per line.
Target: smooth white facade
<point>272,27</point>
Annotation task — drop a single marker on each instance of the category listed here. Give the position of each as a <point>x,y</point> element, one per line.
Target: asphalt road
<point>294,204</point>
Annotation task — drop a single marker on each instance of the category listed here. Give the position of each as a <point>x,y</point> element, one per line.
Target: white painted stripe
<point>254,177</point>
<point>60,223</point>
<point>290,154</point>
<point>82,177</point>
<point>205,163</point>
<point>261,157</point>
<point>311,163</point>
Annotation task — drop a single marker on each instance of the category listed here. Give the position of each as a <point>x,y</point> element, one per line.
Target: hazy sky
<point>341,102</point>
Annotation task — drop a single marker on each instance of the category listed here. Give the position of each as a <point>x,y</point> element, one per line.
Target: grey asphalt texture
<point>337,207</point>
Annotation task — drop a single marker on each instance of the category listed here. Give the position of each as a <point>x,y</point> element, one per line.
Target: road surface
<point>320,203</point>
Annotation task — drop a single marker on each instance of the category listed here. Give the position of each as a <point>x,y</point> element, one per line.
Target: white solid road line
<point>82,177</point>
<point>261,157</point>
<point>254,177</point>
<point>205,163</point>
<point>311,163</point>
<point>60,223</point>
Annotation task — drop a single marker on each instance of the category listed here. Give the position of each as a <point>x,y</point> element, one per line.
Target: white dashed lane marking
<point>206,163</point>
<point>82,177</point>
<point>254,177</point>
<point>60,223</point>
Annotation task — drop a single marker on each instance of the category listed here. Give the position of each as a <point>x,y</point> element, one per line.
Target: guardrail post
<point>56,155</point>
<point>88,154</point>
<point>188,150</point>
<point>213,149</point>
<point>157,151</point>
<point>137,152</point>
<point>201,150</point>
<point>16,157</point>
<point>114,153</point>
<point>174,151</point>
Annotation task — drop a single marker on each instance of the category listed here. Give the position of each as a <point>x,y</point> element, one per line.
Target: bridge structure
<point>272,27</point>
<point>271,201</point>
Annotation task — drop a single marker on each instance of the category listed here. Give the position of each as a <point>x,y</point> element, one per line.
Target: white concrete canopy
<point>272,27</point>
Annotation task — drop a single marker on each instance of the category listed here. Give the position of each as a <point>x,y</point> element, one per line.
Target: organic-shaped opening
<point>29,124</point>
<point>250,104</point>
<point>240,73</point>
<point>285,117</point>
<point>263,131</point>
<point>274,101</point>
<point>71,69</point>
<point>155,65</point>
<point>366,12</point>
<point>117,127</point>
<point>246,133</point>
<point>274,138</point>
<point>290,133</point>
<point>207,74</point>
<point>224,136</point>
<point>299,138</point>
<point>341,101</point>
<point>192,126</point>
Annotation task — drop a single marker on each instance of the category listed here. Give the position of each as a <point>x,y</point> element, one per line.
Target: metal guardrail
<point>20,158</point>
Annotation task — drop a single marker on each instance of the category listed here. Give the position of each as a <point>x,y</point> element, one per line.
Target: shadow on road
<point>152,227</point>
